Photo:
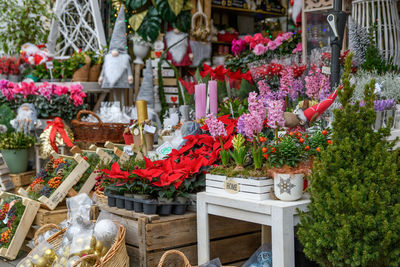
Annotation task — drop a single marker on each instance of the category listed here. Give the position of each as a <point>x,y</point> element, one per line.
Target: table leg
<point>282,237</point>
<point>203,233</point>
<point>265,234</point>
<point>99,100</point>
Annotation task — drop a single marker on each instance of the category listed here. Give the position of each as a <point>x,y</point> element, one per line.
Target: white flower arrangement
<point>137,39</point>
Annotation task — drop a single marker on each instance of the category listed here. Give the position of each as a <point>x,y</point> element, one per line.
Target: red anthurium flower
<point>189,86</point>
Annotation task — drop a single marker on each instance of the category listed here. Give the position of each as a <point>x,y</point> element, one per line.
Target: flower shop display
<point>15,149</point>
<point>354,174</point>
<point>54,181</point>
<point>48,99</point>
<point>17,214</point>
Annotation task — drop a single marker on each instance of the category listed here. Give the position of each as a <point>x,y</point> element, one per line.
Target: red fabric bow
<point>58,127</point>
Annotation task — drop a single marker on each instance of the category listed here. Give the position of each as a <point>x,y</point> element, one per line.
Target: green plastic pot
<point>16,159</point>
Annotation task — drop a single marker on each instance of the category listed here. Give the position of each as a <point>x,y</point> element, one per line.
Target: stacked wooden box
<point>22,180</point>
<point>5,179</point>
<point>149,236</point>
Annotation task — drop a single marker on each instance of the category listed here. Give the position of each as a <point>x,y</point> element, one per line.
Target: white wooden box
<point>251,188</point>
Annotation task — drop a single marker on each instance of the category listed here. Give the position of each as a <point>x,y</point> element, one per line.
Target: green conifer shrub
<point>354,214</point>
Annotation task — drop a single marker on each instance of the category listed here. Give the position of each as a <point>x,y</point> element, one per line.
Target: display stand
<point>280,215</point>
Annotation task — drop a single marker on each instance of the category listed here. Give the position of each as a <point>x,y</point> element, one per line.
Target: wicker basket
<point>97,132</point>
<point>101,198</point>
<point>180,254</point>
<point>116,255</point>
<point>94,73</point>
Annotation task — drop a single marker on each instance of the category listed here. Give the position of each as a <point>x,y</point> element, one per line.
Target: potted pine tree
<point>15,149</point>
<point>353,218</point>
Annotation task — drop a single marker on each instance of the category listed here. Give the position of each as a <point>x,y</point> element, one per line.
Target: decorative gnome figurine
<point>307,115</point>
<point>117,72</point>
<point>146,88</point>
<point>181,53</point>
<point>26,119</point>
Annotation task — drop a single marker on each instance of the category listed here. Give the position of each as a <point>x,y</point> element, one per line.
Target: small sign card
<point>128,150</point>
<point>164,149</point>
<point>149,129</point>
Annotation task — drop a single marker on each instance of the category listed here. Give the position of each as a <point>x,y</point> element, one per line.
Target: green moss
<point>231,171</point>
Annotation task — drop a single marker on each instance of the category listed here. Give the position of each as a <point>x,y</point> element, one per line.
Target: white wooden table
<point>280,215</point>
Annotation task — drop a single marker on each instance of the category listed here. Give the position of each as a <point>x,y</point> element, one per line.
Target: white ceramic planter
<point>288,187</point>
<point>140,51</point>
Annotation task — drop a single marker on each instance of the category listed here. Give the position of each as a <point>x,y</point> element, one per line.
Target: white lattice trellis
<point>385,14</point>
<point>77,25</point>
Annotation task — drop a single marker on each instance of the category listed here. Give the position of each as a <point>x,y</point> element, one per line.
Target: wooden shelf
<point>221,43</point>
<point>249,11</point>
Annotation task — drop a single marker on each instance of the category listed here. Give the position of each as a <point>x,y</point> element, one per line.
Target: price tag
<point>164,149</point>
<point>149,129</point>
<point>326,70</point>
<point>49,65</point>
<point>128,150</point>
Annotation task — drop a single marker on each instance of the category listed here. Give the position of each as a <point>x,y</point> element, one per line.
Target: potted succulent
<point>15,149</point>
<point>289,163</point>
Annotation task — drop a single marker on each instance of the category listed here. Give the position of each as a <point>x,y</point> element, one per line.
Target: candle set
<point>202,101</point>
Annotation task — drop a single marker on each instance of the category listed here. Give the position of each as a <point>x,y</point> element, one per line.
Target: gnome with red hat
<point>305,116</point>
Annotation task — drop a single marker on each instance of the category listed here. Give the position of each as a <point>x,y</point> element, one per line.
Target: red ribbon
<point>58,127</point>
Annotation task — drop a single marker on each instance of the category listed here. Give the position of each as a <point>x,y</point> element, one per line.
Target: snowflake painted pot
<point>288,187</point>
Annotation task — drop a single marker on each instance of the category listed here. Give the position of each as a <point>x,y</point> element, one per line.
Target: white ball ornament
<point>105,231</point>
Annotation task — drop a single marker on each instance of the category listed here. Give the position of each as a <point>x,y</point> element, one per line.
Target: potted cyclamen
<point>15,149</point>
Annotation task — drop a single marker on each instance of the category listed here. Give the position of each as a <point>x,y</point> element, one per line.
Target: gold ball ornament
<point>99,245</point>
<point>104,251</point>
<point>93,242</point>
<point>50,254</point>
<point>42,262</point>
<point>35,257</point>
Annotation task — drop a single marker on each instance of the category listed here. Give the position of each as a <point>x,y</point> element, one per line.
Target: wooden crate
<point>22,179</point>
<point>45,216</point>
<point>256,189</point>
<point>61,192</point>
<point>5,183</point>
<point>31,208</point>
<point>148,238</point>
<point>91,180</point>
